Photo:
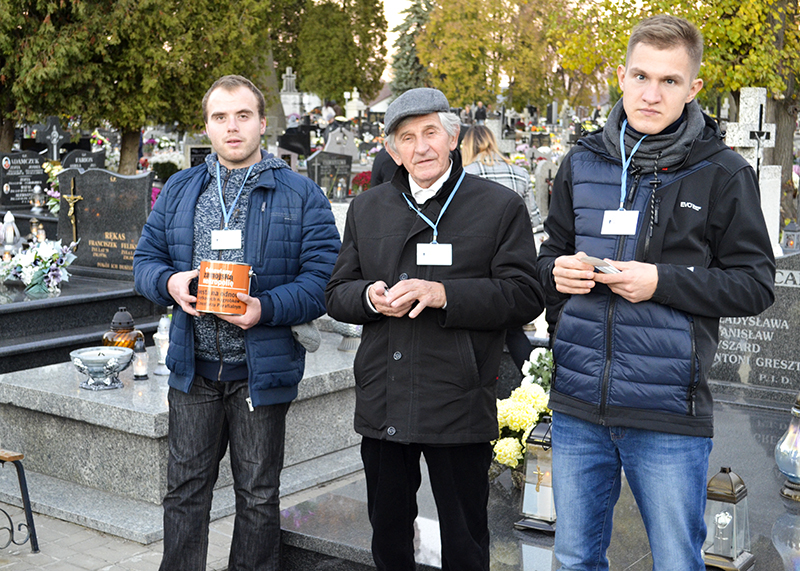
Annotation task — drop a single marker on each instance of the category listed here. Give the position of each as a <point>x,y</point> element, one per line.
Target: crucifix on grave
<point>52,135</point>
<point>749,137</point>
<point>71,199</point>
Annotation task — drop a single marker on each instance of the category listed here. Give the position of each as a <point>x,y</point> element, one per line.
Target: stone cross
<point>288,81</point>
<point>52,135</point>
<point>749,137</point>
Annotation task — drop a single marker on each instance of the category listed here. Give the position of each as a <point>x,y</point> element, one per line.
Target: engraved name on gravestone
<point>108,215</point>
<point>20,173</point>
<point>331,171</point>
<point>84,160</point>
<point>763,350</point>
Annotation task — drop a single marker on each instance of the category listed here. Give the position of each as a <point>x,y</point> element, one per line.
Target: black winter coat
<point>432,379</point>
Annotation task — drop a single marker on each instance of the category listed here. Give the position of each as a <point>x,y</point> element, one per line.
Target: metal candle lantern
<point>727,544</point>
<point>791,234</point>
<point>538,508</point>
<point>787,455</point>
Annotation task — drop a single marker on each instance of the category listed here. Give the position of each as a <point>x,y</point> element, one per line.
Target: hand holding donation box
<point>218,284</point>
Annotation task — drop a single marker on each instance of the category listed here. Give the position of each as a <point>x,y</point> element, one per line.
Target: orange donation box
<point>218,285</point>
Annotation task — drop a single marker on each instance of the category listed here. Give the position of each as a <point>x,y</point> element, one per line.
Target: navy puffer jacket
<point>291,242</point>
<point>645,365</point>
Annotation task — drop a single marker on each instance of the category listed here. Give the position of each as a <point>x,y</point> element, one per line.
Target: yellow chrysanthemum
<point>515,415</point>
<point>531,394</point>
<point>508,451</point>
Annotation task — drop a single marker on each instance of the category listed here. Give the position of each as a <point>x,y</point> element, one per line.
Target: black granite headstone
<point>19,174</point>
<point>198,154</point>
<point>331,171</point>
<point>84,160</point>
<point>108,217</point>
<point>762,351</point>
<point>53,136</point>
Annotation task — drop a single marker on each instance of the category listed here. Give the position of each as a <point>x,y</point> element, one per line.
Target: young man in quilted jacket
<point>659,197</point>
<point>233,376</point>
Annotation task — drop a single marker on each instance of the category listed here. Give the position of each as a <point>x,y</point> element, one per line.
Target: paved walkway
<point>67,546</point>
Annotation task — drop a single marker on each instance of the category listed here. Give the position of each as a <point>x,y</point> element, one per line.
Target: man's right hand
<point>178,287</point>
<point>573,276</point>
<point>377,296</point>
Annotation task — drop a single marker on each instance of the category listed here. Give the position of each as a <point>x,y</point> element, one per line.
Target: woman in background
<point>481,156</point>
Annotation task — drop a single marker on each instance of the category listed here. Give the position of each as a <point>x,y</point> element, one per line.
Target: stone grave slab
<point>106,211</point>
<point>544,173</point>
<point>20,173</point>
<point>196,154</point>
<point>331,171</point>
<point>758,356</point>
<point>289,157</point>
<point>342,141</point>
<point>84,160</point>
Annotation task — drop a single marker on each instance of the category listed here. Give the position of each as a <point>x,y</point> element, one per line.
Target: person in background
<point>482,157</point>
<point>466,116</point>
<point>383,168</point>
<point>232,377</point>
<point>672,221</point>
<point>480,114</point>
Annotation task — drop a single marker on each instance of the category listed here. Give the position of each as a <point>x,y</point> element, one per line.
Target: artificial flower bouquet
<point>41,268</point>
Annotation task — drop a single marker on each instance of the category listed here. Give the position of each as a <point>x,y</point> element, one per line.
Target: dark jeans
<point>460,483</point>
<point>201,425</point>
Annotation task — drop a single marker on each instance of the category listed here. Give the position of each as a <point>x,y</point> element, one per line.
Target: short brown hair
<point>229,83</point>
<point>665,32</point>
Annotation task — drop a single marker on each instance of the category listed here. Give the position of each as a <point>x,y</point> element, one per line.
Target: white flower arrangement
<point>42,267</point>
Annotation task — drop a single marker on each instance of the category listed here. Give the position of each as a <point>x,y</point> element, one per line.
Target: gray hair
<point>450,123</point>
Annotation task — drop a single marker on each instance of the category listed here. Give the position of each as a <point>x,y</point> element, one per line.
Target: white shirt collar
<point>421,195</point>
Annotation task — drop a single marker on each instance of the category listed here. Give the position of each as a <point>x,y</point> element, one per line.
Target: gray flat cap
<point>412,103</point>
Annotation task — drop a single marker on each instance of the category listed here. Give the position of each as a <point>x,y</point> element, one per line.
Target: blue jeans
<point>201,425</point>
<point>666,473</point>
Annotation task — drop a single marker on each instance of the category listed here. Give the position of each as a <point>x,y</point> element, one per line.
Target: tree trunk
<point>785,122</point>
<point>6,134</point>
<point>129,151</point>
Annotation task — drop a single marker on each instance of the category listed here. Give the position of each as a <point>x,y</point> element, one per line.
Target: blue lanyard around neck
<point>626,163</point>
<point>226,214</point>
<point>446,204</point>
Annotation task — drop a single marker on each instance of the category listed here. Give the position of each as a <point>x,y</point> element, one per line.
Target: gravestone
<point>331,171</point>
<point>84,160</point>
<point>354,107</point>
<point>196,154</point>
<point>53,136</point>
<point>20,173</point>
<point>288,157</point>
<point>342,142</point>
<point>762,351</point>
<point>297,139</point>
<point>545,172</point>
<point>291,99</point>
<point>106,211</point>
<point>552,113</point>
<point>748,137</point>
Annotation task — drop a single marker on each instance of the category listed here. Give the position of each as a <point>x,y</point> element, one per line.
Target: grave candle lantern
<point>727,544</point>
<point>122,332</point>
<point>791,233</point>
<point>11,235</point>
<point>140,359</point>
<point>161,339</point>
<point>787,455</point>
<point>538,508</point>
<point>37,199</point>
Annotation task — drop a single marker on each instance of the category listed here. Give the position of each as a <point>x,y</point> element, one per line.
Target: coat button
<point>404,276</point>
<point>391,431</point>
<point>397,355</point>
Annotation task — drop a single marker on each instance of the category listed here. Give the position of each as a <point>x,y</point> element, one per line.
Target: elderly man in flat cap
<point>436,264</point>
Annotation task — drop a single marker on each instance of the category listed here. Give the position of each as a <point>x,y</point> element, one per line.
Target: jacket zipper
<point>610,313</point>
<point>692,382</point>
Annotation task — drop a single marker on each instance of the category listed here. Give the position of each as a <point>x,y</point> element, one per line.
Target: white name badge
<point>620,222</point>
<point>226,239</point>
<point>434,254</point>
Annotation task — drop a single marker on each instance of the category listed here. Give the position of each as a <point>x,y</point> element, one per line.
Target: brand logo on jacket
<point>690,205</point>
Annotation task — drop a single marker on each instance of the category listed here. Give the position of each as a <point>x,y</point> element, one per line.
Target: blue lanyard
<point>226,214</point>
<point>446,204</point>
<point>626,163</point>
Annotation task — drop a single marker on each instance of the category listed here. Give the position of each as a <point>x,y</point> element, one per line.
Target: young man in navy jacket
<point>657,196</point>
<point>233,376</point>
